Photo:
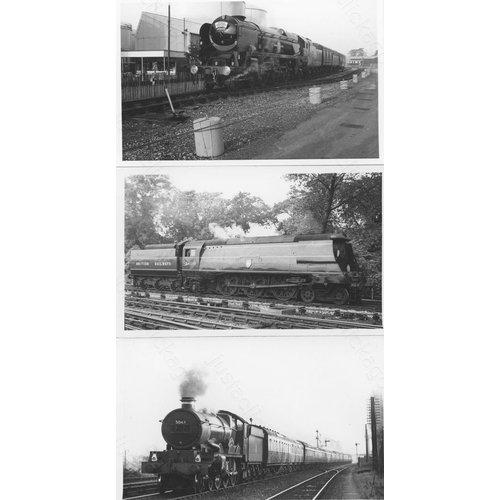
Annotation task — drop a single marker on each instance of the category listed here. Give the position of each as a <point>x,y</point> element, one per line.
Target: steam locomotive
<point>208,451</point>
<point>313,267</point>
<point>233,51</point>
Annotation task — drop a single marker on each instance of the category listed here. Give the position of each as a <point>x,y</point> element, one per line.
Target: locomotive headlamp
<point>348,268</point>
<point>226,71</point>
<point>154,457</point>
<point>194,69</point>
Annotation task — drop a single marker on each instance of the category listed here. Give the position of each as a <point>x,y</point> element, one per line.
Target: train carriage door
<point>191,254</point>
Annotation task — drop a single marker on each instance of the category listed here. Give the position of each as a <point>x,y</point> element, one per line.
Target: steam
<point>193,384</point>
<point>224,233</point>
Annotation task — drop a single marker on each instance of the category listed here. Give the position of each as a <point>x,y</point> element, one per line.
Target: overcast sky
<point>293,385</point>
<point>266,183</point>
<point>338,24</point>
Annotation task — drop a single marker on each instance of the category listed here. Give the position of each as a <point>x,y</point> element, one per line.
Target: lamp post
<point>357,459</point>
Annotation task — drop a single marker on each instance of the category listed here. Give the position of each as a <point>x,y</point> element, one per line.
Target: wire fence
<point>144,86</point>
<point>373,287</point>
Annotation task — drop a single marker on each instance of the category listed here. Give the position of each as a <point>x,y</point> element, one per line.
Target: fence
<point>146,86</point>
<point>373,286</point>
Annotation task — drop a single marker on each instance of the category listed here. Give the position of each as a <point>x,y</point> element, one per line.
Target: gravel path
<point>247,120</point>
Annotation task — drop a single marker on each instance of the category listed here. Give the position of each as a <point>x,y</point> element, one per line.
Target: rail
<point>306,494</point>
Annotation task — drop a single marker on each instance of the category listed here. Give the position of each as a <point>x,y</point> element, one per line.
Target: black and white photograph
<point>268,80</point>
<point>251,418</point>
<point>251,248</point>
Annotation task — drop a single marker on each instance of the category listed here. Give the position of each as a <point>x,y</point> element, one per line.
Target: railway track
<point>202,96</point>
<point>368,306</point>
<point>310,489</point>
<point>153,314</point>
<point>140,489</point>
<point>314,483</point>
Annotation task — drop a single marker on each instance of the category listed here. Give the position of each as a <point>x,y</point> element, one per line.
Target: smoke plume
<point>224,233</point>
<point>193,384</point>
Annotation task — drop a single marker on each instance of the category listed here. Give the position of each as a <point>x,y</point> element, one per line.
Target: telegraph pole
<point>366,440</point>
<point>374,434</point>
<point>168,58</point>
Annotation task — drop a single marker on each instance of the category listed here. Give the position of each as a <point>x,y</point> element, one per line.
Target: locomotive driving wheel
<point>197,483</point>
<point>282,293</point>
<point>234,478</point>
<point>228,285</point>
<point>340,296</point>
<point>163,484</point>
<point>307,294</point>
<point>217,482</point>
<point>225,480</point>
<point>210,483</point>
<point>252,280</point>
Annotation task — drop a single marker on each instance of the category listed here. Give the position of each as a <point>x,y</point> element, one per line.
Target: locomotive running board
<point>286,285</point>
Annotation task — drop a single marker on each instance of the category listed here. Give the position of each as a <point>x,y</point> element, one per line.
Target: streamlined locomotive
<point>310,267</point>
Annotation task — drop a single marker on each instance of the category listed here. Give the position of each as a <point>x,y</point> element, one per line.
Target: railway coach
<point>207,451</point>
<point>310,267</point>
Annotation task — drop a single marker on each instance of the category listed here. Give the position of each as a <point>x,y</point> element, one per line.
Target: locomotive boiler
<point>207,451</point>
<point>310,267</point>
<point>234,51</point>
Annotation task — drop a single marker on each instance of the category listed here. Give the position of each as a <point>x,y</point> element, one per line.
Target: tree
<point>349,204</point>
<point>245,209</point>
<point>310,202</point>
<point>357,52</point>
<point>144,197</point>
<point>193,54</point>
<point>189,214</point>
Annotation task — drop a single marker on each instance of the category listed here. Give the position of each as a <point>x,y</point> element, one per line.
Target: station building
<point>147,52</point>
<point>363,61</point>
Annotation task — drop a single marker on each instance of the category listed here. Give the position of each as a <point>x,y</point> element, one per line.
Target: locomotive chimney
<point>188,403</point>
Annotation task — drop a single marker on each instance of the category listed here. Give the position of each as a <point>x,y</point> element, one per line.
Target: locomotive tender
<point>210,451</point>
<point>233,51</point>
<point>313,267</point>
